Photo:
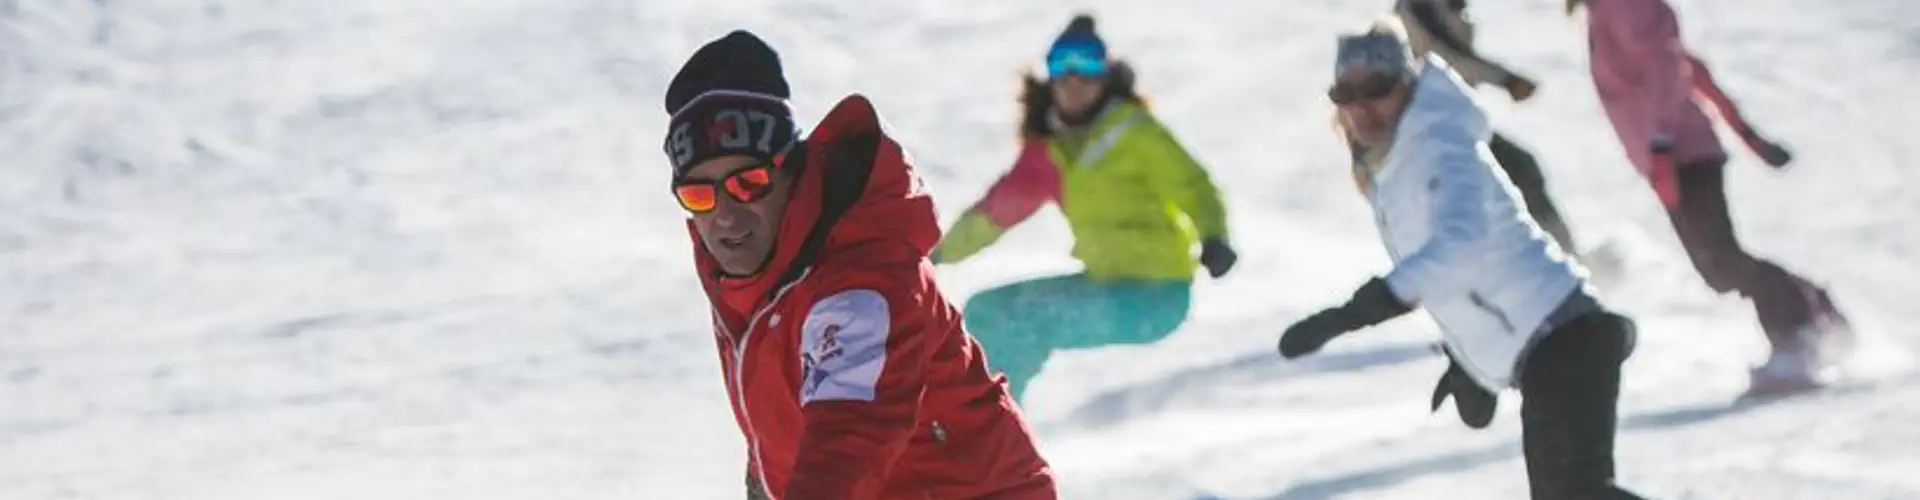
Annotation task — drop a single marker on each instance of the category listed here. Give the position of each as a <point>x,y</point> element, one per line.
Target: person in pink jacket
<point>1653,90</point>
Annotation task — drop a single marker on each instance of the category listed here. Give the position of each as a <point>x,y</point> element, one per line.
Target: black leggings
<point>1706,230</point>
<point>1570,390</point>
<point>1524,171</point>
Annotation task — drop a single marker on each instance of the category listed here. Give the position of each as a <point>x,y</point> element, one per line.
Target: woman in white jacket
<point>1441,27</point>
<point>1513,309</point>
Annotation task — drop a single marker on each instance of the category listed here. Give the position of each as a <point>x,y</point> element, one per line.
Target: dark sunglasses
<point>1367,90</point>
<point>746,185</point>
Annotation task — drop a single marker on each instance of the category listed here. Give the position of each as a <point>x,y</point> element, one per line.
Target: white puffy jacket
<point>1462,247</point>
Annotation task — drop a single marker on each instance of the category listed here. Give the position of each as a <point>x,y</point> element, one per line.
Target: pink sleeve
<point>1652,32</point>
<point>1033,181</point>
<point>1704,85</point>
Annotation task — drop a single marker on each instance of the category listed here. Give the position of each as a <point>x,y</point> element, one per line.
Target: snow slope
<point>376,249</point>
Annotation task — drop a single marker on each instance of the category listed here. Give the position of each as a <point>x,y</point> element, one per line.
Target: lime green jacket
<point>1136,201</point>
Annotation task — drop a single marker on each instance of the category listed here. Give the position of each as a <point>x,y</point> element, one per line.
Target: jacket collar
<point>855,189</point>
<point>1442,107</point>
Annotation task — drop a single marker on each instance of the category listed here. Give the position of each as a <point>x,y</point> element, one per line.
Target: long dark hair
<point>1036,99</point>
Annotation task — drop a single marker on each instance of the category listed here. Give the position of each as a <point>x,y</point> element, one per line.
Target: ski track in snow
<point>374,249</point>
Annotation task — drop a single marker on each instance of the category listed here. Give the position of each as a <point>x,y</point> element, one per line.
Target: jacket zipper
<point>739,385</point>
<point>1097,147</point>
<point>1482,303</point>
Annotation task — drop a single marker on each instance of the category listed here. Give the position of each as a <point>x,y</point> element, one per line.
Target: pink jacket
<point>1646,80</point>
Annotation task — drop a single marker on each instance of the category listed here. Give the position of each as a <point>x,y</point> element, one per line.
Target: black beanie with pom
<point>730,98</point>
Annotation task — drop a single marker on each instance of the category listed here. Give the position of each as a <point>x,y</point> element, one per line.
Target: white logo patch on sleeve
<point>843,347</point>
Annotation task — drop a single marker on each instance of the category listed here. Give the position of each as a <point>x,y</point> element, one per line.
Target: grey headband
<point>1373,52</point>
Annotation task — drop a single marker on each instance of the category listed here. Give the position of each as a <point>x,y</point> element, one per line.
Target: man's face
<point>1370,102</point>
<point>736,202</point>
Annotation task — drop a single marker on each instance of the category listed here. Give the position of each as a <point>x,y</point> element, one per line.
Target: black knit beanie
<point>1079,35</point>
<point>729,99</point>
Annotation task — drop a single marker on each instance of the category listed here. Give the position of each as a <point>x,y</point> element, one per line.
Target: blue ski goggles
<point>1076,61</point>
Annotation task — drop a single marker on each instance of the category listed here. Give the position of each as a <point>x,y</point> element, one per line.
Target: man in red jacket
<point>849,372</point>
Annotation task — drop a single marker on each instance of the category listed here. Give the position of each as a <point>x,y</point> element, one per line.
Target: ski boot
<point>1825,342</point>
<point>1828,334</point>
<point>1783,373</point>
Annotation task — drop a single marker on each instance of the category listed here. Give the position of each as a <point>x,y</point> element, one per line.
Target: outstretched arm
<point>1771,152</point>
<point>1427,17</point>
<point>1705,86</point>
<point>1033,181</point>
<point>1175,175</point>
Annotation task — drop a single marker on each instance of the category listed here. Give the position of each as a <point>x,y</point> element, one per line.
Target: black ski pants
<point>1705,228</point>
<point>1570,391</point>
<point>1525,173</point>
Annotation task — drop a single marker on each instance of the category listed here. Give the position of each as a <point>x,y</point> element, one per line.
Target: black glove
<point>1370,305</point>
<point>1475,404</point>
<point>1309,334</point>
<point>1519,87</point>
<point>1217,256</point>
<point>1774,154</point>
<point>1771,152</point>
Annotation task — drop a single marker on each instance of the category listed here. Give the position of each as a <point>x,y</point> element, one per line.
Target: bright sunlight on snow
<point>385,249</point>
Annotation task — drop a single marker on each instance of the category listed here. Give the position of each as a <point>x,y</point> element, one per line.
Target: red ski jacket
<point>849,372</point>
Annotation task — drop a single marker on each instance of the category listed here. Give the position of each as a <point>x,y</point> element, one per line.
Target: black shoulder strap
<point>849,164</point>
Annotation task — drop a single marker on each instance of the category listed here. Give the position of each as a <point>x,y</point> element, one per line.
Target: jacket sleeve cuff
<point>972,233</point>
<point>1377,302</point>
<point>1401,286</point>
<point>1662,143</point>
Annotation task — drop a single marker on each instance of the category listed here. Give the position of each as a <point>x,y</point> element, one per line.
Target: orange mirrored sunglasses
<point>746,185</point>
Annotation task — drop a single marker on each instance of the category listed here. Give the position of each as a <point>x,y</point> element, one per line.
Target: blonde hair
<point>1382,41</point>
<point>1362,174</point>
